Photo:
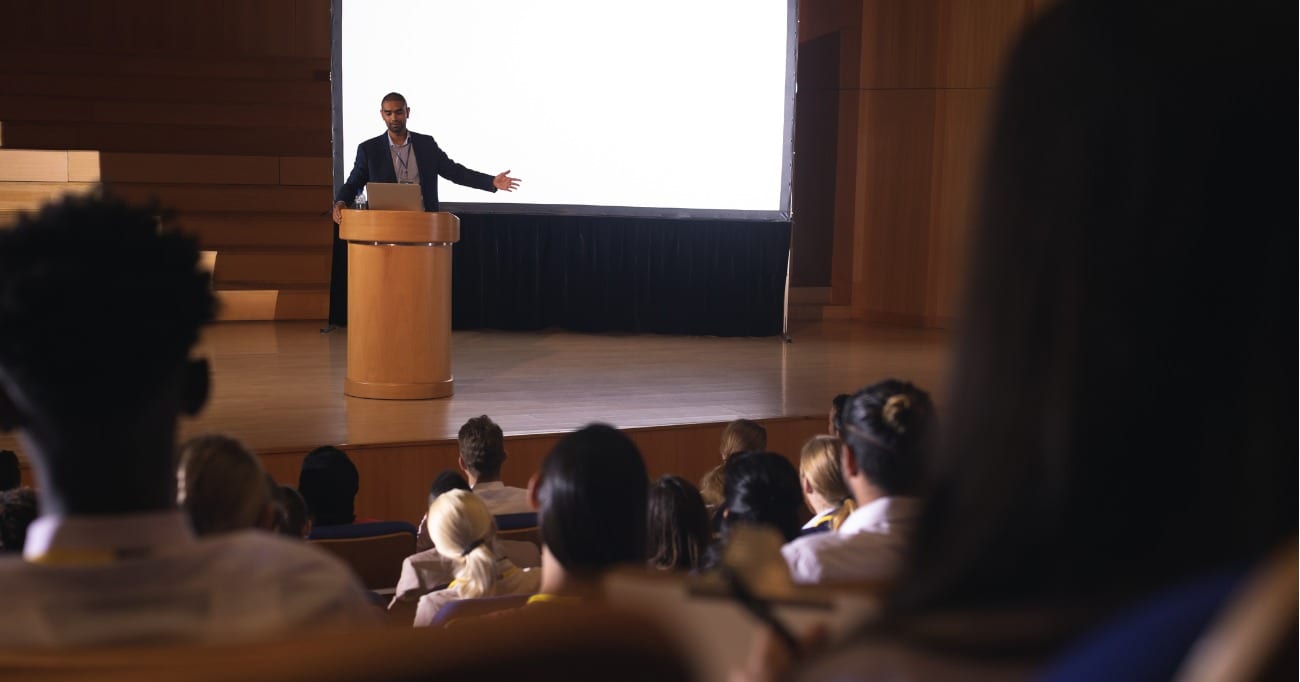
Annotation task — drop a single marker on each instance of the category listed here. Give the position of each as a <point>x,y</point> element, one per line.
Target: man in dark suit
<point>398,156</point>
<point>403,156</point>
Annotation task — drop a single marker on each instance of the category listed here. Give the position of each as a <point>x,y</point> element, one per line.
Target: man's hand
<point>504,182</point>
<point>338,211</point>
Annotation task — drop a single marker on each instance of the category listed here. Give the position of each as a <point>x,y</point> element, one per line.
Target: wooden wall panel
<point>898,132</point>
<point>927,72</point>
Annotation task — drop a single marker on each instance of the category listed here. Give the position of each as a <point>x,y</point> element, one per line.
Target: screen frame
<point>784,213</point>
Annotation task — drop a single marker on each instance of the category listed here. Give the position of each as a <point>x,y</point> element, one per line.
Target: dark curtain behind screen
<point>590,274</point>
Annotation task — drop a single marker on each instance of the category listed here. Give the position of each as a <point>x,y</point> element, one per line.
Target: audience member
<point>10,475</point>
<point>222,486</point>
<point>295,521</point>
<point>428,570</point>
<point>824,490</point>
<point>18,508</point>
<point>463,532</point>
<point>444,482</point>
<point>760,488</point>
<point>1119,444</point>
<point>482,452</point>
<point>329,483</point>
<point>678,527</point>
<point>741,435</point>
<point>591,499</point>
<point>837,409</point>
<point>886,432</point>
<point>100,423</point>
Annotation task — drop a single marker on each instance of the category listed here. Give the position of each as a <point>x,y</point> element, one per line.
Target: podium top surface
<point>399,227</point>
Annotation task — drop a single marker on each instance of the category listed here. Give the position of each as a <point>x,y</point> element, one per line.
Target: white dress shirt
<point>146,578</point>
<point>502,499</point>
<point>868,546</point>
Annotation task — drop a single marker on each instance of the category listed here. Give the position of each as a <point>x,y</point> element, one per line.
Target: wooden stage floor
<point>278,387</point>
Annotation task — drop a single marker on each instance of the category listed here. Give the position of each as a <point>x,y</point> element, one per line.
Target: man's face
<point>395,113</point>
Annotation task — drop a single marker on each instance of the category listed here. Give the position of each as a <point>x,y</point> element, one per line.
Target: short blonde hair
<point>221,485</point>
<point>819,465</point>
<point>463,530</point>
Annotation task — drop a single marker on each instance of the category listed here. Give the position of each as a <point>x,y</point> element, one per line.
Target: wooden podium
<point>399,303</point>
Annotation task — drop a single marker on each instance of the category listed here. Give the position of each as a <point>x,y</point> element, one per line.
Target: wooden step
<point>250,230</point>
<point>219,169</point>
<point>170,139</point>
<point>81,62</point>
<point>77,109</point>
<point>271,269</point>
<point>272,304</point>
<point>305,201</point>
<point>36,165</point>
<point>294,95</point>
<point>26,196</point>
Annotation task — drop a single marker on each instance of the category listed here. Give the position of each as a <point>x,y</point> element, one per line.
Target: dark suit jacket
<point>375,164</point>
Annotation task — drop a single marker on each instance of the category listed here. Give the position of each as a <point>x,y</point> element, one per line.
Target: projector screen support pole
<point>785,308</point>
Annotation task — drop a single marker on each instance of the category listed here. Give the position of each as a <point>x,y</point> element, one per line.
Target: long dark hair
<point>591,494</point>
<point>1117,417</point>
<point>761,488</point>
<point>677,525</point>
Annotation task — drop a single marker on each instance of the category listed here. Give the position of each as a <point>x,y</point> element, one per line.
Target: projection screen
<point>661,108</point>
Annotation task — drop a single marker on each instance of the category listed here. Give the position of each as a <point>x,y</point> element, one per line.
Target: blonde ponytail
<point>463,530</point>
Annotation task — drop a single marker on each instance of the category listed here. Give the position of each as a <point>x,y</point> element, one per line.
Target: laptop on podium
<point>394,196</point>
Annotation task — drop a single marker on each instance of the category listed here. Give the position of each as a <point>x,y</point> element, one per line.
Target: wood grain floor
<point>278,385</point>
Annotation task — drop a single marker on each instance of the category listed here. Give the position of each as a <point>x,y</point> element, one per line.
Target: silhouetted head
<point>445,482</point>
<point>296,521</point>
<point>329,483</point>
<point>101,412</point>
<point>10,475</point>
<point>18,508</point>
<point>591,498</point>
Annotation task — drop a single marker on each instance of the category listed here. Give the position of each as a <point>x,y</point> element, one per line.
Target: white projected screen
<point>663,107</point>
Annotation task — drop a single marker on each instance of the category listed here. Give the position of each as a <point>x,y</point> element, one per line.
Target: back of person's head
<point>819,467</point>
<point>677,527</point>
<point>888,426</point>
<point>762,488</point>
<point>446,482</point>
<point>18,508</point>
<point>10,475</point>
<point>482,447</point>
<point>88,263</point>
<point>1117,418</point>
<point>837,413</point>
<point>329,482</point>
<point>296,522</point>
<point>711,487</point>
<point>222,486</point>
<point>742,435</point>
<point>591,495</point>
<point>462,529</point>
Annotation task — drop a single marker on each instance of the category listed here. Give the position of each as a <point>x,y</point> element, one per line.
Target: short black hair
<point>18,508</point>
<point>393,97</point>
<point>762,488</point>
<point>91,263</point>
<point>887,426</point>
<point>591,494</point>
<point>482,446</point>
<point>329,482</point>
<point>445,482</point>
<point>10,475</point>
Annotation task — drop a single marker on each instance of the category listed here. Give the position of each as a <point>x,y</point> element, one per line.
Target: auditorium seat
<point>374,550</point>
<point>521,527</point>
